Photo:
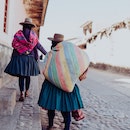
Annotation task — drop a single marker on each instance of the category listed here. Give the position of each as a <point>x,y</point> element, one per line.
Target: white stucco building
<point>12,12</point>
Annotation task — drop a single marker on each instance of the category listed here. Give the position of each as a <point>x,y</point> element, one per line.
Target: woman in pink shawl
<point>23,63</point>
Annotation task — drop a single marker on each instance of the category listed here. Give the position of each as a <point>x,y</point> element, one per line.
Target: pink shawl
<point>21,44</point>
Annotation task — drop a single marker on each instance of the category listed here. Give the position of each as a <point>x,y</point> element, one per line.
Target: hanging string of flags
<point>87,27</point>
<point>104,32</point>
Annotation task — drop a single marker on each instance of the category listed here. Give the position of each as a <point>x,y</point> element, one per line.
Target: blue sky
<point>66,16</point>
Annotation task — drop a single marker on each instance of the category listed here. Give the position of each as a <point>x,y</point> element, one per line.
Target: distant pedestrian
<point>53,98</point>
<point>23,63</point>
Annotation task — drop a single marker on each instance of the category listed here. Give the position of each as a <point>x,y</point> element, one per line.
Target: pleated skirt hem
<point>22,65</point>
<point>53,98</point>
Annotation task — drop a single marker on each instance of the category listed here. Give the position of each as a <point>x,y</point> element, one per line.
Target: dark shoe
<point>21,99</point>
<point>49,127</point>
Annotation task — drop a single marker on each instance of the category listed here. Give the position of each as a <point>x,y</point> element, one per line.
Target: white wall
<point>16,14</point>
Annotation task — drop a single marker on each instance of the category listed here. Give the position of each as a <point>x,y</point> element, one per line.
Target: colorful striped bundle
<point>64,64</point>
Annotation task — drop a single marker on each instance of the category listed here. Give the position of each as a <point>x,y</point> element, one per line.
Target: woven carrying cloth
<point>21,44</point>
<point>64,64</point>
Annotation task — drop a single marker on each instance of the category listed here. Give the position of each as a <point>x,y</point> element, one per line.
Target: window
<point>5,16</point>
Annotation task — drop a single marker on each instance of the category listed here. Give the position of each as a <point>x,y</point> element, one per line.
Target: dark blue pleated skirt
<point>22,65</point>
<point>53,98</point>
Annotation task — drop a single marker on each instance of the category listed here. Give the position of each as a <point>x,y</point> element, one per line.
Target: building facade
<point>12,12</point>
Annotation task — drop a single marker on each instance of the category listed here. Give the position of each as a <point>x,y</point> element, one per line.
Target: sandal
<point>21,97</point>
<point>26,94</point>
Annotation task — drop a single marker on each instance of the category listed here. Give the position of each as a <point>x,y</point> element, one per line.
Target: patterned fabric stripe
<point>20,37</point>
<point>65,64</point>
<point>65,78</point>
<point>50,73</point>
<point>21,44</point>
<point>46,69</point>
<point>73,62</point>
<point>50,70</point>
<point>33,38</point>
<point>55,69</point>
<point>19,48</point>
<point>59,73</point>
<point>86,60</point>
<point>80,58</point>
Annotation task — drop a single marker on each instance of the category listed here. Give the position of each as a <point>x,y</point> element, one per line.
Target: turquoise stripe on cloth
<point>65,65</point>
<point>69,52</point>
<point>52,71</point>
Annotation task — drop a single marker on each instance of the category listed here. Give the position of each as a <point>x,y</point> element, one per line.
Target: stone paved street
<point>26,115</point>
<point>100,114</point>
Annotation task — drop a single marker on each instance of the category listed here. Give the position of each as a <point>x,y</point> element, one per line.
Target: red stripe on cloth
<point>60,73</point>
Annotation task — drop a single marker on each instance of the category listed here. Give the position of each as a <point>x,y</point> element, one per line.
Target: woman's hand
<point>83,76</point>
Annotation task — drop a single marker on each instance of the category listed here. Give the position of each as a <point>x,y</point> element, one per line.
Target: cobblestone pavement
<point>29,117</point>
<point>99,116</point>
<point>26,114</point>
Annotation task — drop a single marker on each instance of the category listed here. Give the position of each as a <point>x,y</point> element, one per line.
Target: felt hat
<point>57,37</point>
<point>27,21</point>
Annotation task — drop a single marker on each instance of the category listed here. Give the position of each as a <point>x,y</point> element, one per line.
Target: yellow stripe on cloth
<point>64,65</point>
<point>66,80</point>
